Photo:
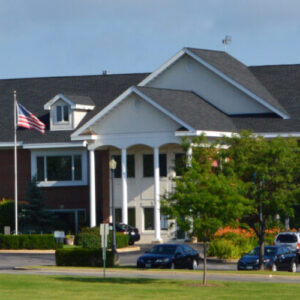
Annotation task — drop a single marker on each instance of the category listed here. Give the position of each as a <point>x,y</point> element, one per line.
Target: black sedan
<point>132,232</point>
<point>169,256</point>
<point>275,258</point>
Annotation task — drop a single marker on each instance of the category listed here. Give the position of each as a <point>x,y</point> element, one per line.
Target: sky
<point>42,38</point>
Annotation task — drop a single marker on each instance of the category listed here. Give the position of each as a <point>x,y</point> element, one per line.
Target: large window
<point>149,219</point>
<point>148,165</point>
<point>53,168</point>
<point>130,166</point>
<point>131,215</point>
<point>180,163</point>
<point>62,113</point>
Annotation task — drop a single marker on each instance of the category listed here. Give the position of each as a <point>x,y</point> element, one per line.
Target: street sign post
<point>104,231</point>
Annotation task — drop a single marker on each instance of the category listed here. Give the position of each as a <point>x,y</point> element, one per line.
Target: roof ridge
<point>165,89</point>
<point>72,76</point>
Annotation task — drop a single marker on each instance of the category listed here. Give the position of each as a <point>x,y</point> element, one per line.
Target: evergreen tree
<point>35,217</point>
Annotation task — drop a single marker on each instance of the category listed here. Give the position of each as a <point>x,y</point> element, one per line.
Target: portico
<point>136,126</point>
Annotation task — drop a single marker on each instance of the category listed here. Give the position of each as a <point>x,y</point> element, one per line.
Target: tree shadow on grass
<point>114,280</point>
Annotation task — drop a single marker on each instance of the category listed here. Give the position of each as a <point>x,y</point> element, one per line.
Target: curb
<point>129,249</point>
<point>26,251</point>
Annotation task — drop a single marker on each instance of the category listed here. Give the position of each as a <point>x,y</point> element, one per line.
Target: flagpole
<point>15,163</point>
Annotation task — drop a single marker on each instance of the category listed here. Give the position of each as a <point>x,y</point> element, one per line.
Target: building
<point>139,119</point>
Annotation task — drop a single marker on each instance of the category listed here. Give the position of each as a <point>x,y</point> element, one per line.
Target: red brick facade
<point>69,197</point>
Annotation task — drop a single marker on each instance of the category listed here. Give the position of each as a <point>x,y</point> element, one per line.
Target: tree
<point>269,171</point>
<point>34,216</point>
<point>204,198</point>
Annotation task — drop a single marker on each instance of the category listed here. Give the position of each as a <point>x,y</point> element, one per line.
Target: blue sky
<point>40,38</point>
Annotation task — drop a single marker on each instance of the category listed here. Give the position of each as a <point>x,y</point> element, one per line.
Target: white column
<point>156,196</point>
<point>92,189</point>
<point>124,187</point>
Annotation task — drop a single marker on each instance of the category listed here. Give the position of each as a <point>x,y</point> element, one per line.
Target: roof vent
<point>105,72</point>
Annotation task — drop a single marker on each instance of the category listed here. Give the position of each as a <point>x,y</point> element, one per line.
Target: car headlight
<point>140,260</point>
<point>257,261</point>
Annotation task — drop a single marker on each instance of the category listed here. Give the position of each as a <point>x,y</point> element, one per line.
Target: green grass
<point>73,287</point>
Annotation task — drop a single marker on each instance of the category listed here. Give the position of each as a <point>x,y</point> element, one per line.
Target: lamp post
<point>112,166</point>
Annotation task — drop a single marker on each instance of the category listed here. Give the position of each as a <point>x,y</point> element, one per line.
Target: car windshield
<point>287,238</point>
<point>269,251</point>
<point>163,249</point>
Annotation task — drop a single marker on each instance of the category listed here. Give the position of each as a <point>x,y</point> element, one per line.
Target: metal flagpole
<point>15,163</point>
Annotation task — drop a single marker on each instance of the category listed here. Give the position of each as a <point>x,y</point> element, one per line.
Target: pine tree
<point>35,217</point>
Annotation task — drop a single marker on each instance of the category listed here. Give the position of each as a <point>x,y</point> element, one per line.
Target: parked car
<point>169,256</point>
<point>133,232</point>
<point>275,258</point>
<point>289,239</point>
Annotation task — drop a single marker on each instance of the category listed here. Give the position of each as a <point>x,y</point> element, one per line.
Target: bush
<point>231,245</point>
<point>7,211</point>
<point>90,238</point>
<point>28,241</point>
<point>83,257</point>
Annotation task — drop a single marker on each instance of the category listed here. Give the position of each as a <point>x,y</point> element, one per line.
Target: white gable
<point>188,74</point>
<point>134,115</point>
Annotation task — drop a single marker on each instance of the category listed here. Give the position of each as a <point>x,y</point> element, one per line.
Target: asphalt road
<point>8,261</point>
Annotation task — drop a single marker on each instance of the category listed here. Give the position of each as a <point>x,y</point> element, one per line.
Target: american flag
<point>28,120</point>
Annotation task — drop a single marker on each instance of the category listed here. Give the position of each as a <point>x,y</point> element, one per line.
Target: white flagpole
<point>15,163</point>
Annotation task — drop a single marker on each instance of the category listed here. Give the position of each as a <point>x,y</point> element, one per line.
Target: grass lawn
<point>73,287</point>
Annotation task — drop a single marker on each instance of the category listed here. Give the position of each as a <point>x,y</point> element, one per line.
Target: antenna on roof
<point>226,41</point>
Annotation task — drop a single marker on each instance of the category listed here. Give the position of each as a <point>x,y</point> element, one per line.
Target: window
<point>130,166</point>
<point>131,215</point>
<point>149,219</point>
<point>59,169</point>
<point>163,222</point>
<point>148,165</point>
<point>62,113</point>
<point>180,163</point>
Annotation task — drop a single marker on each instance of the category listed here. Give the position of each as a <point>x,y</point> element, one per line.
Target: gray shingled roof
<point>77,99</point>
<point>238,72</point>
<point>33,93</point>
<point>284,82</point>
<point>190,108</point>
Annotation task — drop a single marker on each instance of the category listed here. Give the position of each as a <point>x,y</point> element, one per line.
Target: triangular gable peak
<point>187,70</point>
<point>131,113</point>
<point>75,102</point>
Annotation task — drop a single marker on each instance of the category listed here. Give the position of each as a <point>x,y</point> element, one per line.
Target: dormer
<point>67,111</point>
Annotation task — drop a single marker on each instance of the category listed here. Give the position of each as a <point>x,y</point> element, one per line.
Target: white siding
<point>134,115</point>
<point>188,74</point>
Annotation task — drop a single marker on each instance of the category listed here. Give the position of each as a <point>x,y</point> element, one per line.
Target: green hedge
<point>90,238</point>
<point>28,241</point>
<point>83,257</point>
<point>231,245</point>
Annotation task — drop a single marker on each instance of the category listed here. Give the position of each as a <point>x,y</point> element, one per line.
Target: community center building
<point>139,120</point>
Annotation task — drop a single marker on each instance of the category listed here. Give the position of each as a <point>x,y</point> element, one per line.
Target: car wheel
<point>172,267</point>
<point>274,268</point>
<point>293,267</point>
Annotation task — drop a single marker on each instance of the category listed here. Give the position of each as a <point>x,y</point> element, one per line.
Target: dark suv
<point>132,232</point>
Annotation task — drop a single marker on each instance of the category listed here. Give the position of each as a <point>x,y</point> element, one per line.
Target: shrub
<point>28,241</point>
<point>83,257</point>
<point>7,210</point>
<point>90,238</point>
<point>231,245</point>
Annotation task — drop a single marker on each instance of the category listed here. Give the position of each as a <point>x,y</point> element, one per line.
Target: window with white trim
<point>59,168</point>
<point>62,114</point>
